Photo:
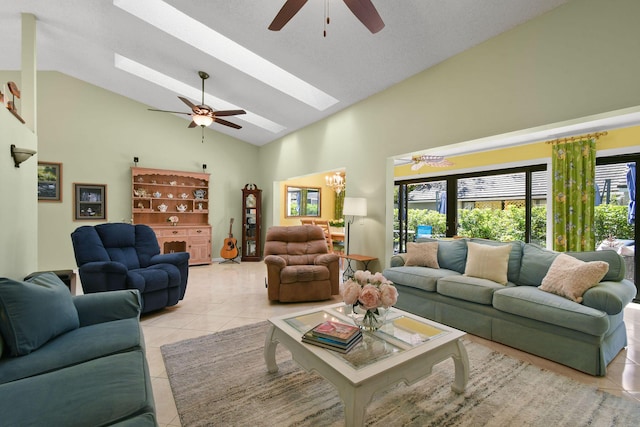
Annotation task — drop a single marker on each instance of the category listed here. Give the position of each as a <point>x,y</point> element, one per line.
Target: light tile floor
<point>224,296</point>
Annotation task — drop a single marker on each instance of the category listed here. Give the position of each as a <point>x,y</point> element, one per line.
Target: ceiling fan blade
<point>228,113</point>
<point>186,101</point>
<point>366,12</point>
<point>166,111</point>
<point>290,8</point>
<point>192,124</point>
<point>226,123</point>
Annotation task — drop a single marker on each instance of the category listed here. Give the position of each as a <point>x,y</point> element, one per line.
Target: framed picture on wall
<point>90,202</point>
<point>49,181</point>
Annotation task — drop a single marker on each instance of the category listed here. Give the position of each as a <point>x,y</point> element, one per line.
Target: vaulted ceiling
<point>117,45</point>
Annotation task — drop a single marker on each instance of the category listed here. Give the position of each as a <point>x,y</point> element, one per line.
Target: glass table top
<point>399,333</point>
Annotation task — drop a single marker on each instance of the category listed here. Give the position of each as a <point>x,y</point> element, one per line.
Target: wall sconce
<point>335,182</point>
<point>353,207</point>
<point>135,161</point>
<point>20,154</point>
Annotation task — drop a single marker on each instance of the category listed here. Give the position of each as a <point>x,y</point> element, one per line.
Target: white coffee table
<point>405,350</point>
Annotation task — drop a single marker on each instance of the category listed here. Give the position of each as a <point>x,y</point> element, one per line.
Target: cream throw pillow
<point>570,277</point>
<point>488,262</point>
<point>422,254</point>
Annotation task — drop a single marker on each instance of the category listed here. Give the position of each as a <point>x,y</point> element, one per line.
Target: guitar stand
<point>230,260</point>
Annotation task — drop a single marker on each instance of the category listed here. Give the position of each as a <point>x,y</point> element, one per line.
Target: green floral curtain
<point>574,169</point>
<point>339,203</point>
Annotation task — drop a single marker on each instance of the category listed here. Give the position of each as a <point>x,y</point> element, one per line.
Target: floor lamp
<point>353,207</point>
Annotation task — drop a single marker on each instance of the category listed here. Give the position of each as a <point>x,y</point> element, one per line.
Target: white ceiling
<point>82,37</point>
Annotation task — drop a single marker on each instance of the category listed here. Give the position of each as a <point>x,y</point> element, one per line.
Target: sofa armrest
<point>398,260</point>
<point>610,297</point>
<point>101,276</point>
<point>107,306</point>
<point>276,261</point>
<point>175,258</point>
<point>325,259</point>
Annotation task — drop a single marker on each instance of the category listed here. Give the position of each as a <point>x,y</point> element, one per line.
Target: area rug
<point>221,380</point>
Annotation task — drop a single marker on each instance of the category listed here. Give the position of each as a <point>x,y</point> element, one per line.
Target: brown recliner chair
<point>299,267</point>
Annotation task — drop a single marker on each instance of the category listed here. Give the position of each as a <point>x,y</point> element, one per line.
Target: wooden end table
<point>349,271</point>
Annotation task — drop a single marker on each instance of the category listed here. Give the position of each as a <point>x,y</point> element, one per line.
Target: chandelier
<point>428,160</point>
<point>335,182</point>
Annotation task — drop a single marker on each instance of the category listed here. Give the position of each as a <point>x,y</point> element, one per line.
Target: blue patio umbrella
<point>631,185</point>
<point>442,203</point>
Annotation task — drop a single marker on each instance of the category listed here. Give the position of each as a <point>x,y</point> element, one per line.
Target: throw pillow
<point>570,278</point>
<point>487,262</point>
<point>34,312</point>
<point>422,254</point>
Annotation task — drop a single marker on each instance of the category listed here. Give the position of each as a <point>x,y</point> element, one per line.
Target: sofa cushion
<point>515,256</point>
<point>467,288</point>
<point>532,303</point>
<point>74,347</point>
<point>570,278</point>
<point>536,262</point>
<point>35,311</point>
<point>304,273</point>
<point>99,392</point>
<point>452,254</point>
<point>417,277</point>
<point>487,262</point>
<point>422,254</point>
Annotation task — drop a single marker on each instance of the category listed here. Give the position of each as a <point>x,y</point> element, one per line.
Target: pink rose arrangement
<point>369,291</point>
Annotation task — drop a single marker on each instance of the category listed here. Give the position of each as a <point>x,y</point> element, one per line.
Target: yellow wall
<point>628,138</point>
<point>327,197</point>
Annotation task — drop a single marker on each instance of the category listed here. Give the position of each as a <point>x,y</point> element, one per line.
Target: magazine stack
<point>334,336</point>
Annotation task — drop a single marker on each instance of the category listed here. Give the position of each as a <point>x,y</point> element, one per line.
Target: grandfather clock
<point>251,220</point>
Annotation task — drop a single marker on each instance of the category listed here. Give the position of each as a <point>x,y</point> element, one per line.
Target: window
<point>507,204</point>
<point>302,201</point>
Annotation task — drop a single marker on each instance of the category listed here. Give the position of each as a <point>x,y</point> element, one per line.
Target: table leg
<point>348,272</point>
<point>270,345</point>
<point>355,406</point>
<point>461,363</point>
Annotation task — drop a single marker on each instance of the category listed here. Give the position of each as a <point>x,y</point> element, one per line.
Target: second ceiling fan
<point>202,114</point>
<point>364,10</point>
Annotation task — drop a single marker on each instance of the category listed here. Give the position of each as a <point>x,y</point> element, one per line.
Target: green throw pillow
<point>35,311</point>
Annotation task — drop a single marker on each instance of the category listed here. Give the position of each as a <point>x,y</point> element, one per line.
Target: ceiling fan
<point>202,114</point>
<point>364,10</point>
<point>429,160</point>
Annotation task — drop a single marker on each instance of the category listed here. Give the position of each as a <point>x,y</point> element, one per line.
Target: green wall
<point>95,134</point>
<point>18,192</point>
<point>578,60</point>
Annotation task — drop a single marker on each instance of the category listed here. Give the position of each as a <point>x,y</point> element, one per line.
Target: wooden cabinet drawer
<point>170,232</point>
<point>200,231</point>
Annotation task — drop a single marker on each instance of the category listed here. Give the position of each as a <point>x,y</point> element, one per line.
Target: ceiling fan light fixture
<point>202,120</point>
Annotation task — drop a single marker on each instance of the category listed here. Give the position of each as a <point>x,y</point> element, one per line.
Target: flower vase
<point>369,320</point>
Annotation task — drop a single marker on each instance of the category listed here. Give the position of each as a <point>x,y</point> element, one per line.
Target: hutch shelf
<point>160,197</point>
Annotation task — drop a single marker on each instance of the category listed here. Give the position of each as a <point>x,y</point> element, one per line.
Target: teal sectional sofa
<point>71,361</point>
<point>585,336</point>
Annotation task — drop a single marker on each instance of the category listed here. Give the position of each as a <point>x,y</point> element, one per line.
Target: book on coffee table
<point>330,344</point>
<point>336,331</point>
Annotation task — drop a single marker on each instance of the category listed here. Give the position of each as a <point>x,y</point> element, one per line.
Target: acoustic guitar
<point>230,247</point>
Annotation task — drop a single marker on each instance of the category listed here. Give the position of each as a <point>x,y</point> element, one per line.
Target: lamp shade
<point>355,206</point>
<point>202,120</point>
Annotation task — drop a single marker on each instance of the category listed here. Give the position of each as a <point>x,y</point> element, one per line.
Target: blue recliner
<point>118,256</point>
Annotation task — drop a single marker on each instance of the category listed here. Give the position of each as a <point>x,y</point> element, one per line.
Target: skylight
<point>181,26</point>
<point>193,93</point>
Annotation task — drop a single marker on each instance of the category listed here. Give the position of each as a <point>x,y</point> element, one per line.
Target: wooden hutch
<point>160,196</point>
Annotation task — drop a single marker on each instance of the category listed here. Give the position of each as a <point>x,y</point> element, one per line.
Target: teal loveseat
<point>584,335</point>
<point>71,361</point>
